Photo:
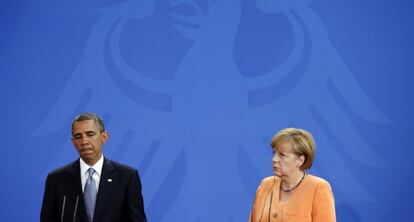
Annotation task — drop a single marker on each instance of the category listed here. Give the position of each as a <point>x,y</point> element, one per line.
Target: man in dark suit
<point>92,188</point>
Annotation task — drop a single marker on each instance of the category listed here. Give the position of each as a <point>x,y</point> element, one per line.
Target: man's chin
<point>87,153</point>
<point>87,157</point>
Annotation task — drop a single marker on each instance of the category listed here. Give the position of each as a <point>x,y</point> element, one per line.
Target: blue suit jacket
<point>119,196</point>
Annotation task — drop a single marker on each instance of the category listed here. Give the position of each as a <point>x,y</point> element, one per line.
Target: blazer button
<point>274,215</point>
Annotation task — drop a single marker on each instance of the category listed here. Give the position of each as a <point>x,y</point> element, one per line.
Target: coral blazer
<point>312,201</point>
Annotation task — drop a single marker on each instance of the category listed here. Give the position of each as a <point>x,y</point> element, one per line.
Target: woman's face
<point>285,162</point>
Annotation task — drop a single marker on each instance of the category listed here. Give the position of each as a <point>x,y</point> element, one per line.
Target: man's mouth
<point>86,151</point>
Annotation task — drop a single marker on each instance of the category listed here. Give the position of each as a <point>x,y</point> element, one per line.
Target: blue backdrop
<point>193,90</point>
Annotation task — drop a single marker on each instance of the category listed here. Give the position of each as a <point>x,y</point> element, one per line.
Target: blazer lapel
<point>105,188</point>
<point>76,186</point>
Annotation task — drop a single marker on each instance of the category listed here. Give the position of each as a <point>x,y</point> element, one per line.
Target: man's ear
<point>105,136</point>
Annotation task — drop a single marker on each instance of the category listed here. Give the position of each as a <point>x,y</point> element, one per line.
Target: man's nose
<point>84,140</point>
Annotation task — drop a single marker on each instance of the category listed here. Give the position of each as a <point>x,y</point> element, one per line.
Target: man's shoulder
<point>119,166</point>
<point>68,168</point>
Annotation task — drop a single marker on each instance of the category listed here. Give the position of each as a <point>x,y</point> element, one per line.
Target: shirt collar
<point>97,167</point>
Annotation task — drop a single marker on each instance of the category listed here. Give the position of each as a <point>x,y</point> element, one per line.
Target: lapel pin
<point>109,180</point>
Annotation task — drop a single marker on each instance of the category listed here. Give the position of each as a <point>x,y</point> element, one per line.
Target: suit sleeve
<point>323,204</point>
<point>135,204</point>
<point>49,211</point>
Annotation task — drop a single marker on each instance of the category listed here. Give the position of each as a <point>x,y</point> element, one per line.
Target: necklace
<point>294,187</point>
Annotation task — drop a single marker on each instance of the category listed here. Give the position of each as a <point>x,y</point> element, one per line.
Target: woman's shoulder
<point>269,181</point>
<point>318,181</point>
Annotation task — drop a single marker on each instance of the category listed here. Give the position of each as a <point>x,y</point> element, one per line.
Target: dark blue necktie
<point>90,194</point>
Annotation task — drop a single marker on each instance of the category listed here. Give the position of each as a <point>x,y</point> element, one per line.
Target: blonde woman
<point>292,195</point>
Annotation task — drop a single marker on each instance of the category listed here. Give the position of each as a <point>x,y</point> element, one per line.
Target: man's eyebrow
<point>87,132</point>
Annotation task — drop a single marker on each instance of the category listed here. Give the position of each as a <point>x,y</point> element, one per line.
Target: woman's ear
<point>300,161</point>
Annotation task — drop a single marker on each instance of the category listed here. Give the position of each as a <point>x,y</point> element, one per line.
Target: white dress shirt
<point>96,176</point>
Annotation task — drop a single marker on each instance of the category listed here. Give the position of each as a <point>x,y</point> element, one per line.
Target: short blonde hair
<point>302,144</point>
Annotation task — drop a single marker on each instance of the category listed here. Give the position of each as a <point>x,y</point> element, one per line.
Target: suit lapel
<point>76,187</point>
<point>105,188</point>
